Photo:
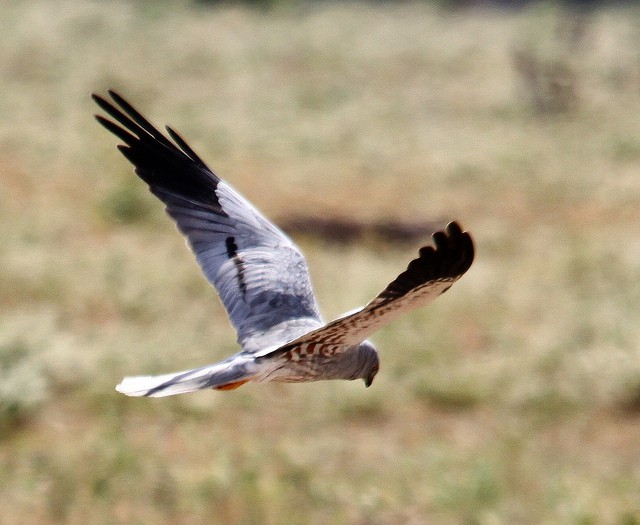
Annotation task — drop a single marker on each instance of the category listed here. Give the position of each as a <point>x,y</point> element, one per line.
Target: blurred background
<point>360,127</point>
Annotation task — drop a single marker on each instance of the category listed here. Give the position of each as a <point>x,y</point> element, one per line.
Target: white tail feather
<point>210,376</point>
<point>142,385</point>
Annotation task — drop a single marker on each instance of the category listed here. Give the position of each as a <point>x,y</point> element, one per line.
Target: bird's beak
<point>368,381</point>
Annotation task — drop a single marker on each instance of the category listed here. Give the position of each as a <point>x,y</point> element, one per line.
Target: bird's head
<point>368,361</point>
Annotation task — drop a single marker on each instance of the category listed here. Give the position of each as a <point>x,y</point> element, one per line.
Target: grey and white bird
<point>261,276</point>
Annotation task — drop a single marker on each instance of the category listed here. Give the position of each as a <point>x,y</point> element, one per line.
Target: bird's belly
<point>305,368</point>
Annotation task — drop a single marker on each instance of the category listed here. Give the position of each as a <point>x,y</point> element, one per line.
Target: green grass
<point>512,399</point>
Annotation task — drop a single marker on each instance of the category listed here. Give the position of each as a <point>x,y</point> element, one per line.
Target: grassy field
<point>514,399</point>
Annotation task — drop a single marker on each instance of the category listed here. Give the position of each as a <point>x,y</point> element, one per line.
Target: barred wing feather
<point>427,277</point>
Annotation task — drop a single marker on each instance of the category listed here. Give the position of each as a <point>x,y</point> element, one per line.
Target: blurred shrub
<point>37,359</point>
<point>23,382</point>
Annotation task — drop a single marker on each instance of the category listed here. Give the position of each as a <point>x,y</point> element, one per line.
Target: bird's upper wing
<point>426,277</point>
<point>260,275</point>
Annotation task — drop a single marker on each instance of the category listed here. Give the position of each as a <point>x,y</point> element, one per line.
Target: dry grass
<point>514,399</point>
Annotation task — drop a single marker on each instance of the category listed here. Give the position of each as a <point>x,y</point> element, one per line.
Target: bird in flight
<point>261,276</point>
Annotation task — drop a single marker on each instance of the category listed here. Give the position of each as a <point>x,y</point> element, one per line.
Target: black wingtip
<point>169,168</point>
<point>453,251</point>
<point>448,258</point>
<point>459,241</point>
<point>102,102</point>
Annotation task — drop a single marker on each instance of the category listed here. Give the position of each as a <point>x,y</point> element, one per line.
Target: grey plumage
<point>261,276</point>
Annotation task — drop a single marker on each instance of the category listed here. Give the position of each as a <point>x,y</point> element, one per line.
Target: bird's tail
<point>221,376</point>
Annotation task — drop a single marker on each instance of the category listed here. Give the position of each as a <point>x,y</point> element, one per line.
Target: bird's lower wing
<point>426,277</point>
